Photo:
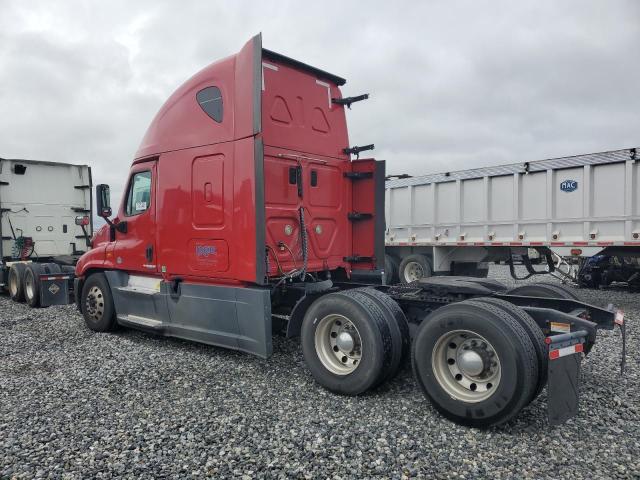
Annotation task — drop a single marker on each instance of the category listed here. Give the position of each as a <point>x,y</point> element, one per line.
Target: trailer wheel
<point>546,290</point>
<point>534,332</point>
<point>346,343</point>
<point>390,269</point>
<point>414,267</point>
<point>97,304</point>
<point>475,363</point>
<point>398,326</point>
<point>32,284</point>
<point>16,282</point>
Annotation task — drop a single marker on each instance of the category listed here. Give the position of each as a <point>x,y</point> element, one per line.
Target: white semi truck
<point>455,222</point>
<point>45,225</point>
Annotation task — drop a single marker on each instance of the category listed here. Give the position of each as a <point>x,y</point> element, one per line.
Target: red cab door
<point>135,248</point>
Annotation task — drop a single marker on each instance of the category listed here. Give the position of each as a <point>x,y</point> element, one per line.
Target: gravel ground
<point>76,404</point>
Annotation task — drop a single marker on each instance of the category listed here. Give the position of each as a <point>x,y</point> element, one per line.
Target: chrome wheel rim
<point>466,366</point>
<point>29,285</point>
<point>94,304</point>
<point>338,344</point>
<point>413,271</point>
<point>13,285</point>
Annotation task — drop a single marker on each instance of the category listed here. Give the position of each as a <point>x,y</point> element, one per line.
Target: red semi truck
<point>245,213</point>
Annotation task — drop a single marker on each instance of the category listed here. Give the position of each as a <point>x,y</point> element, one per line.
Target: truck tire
<point>97,304</point>
<point>16,282</point>
<point>390,269</point>
<point>398,326</point>
<point>32,284</point>
<point>51,268</point>
<point>346,342</point>
<point>534,332</point>
<point>545,290</point>
<point>475,363</point>
<point>414,267</point>
<point>398,315</point>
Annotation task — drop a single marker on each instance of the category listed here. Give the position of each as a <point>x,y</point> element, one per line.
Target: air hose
<point>303,239</point>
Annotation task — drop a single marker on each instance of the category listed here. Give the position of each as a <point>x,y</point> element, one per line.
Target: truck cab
<point>244,176</point>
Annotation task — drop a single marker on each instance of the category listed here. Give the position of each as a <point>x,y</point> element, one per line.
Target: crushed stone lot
<point>79,404</point>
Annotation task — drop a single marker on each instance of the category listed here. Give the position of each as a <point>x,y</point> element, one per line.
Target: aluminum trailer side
<point>574,206</point>
<point>45,225</point>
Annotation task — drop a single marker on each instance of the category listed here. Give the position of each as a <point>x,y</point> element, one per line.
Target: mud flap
<point>565,355</point>
<point>54,289</point>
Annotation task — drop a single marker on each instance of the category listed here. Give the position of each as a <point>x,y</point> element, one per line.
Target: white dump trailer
<point>45,222</point>
<point>453,222</point>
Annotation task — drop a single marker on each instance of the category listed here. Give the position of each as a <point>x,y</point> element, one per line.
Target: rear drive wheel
<point>534,332</point>
<point>398,327</point>
<point>97,304</point>
<point>475,363</point>
<point>545,290</point>
<point>32,285</point>
<point>16,282</point>
<point>346,342</point>
<point>398,315</point>
<point>414,267</point>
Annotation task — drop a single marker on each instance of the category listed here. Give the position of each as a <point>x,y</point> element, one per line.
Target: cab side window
<point>139,194</point>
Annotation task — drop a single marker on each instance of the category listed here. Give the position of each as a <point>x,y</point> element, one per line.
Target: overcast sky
<point>453,84</point>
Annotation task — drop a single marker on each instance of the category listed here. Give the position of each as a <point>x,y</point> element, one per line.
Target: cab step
<point>146,323</point>
<point>138,289</point>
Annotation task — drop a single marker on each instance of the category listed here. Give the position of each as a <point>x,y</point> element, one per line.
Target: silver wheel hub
<point>338,344</point>
<point>466,366</point>
<point>345,342</point>
<point>94,304</point>
<point>413,271</point>
<point>470,363</point>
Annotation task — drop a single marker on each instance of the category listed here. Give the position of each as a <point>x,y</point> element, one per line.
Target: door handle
<point>149,253</point>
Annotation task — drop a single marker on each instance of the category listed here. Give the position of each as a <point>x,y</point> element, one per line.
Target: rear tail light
<point>576,251</point>
<point>82,221</point>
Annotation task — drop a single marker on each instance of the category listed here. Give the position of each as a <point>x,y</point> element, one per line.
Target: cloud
<point>453,84</point>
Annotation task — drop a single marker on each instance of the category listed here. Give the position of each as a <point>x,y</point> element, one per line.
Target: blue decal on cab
<point>205,250</point>
<point>569,186</point>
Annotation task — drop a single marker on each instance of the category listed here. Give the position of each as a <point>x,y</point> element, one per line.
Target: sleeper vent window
<point>210,99</point>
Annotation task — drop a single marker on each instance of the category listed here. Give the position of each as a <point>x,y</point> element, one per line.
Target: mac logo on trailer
<point>569,186</point>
